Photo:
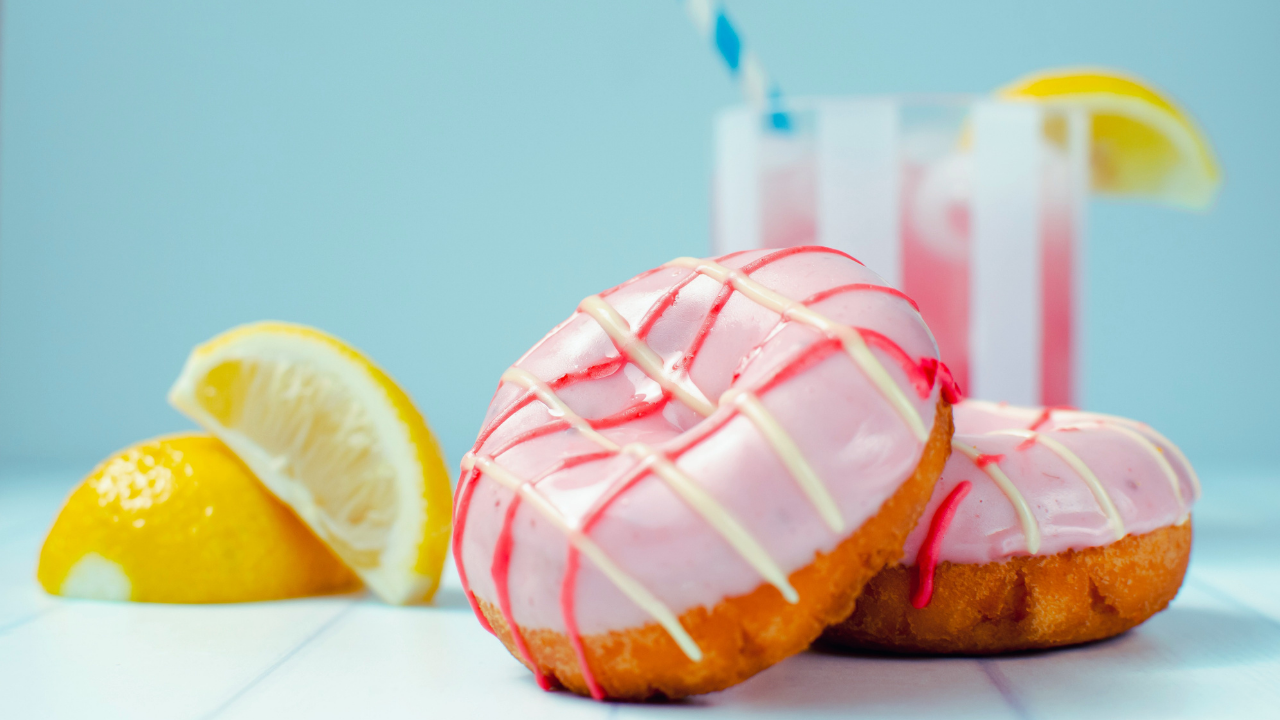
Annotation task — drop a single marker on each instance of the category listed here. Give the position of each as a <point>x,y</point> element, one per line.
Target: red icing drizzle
<point>726,292</point>
<point>667,300</point>
<point>916,374</point>
<point>595,372</point>
<point>922,375</point>
<point>568,608</point>
<point>785,252</point>
<point>1046,414</point>
<point>810,356</point>
<point>501,566</point>
<point>927,558</point>
<point>524,399</point>
<point>686,360</point>
<point>619,485</point>
<point>984,459</point>
<point>824,294</point>
<point>631,413</point>
<point>950,388</point>
<point>550,428</point>
<point>465,491</point>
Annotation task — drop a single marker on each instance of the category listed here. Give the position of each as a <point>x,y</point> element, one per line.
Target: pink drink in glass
<point>973,208</point>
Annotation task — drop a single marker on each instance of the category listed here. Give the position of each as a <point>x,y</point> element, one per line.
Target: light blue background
<point>440,183</point>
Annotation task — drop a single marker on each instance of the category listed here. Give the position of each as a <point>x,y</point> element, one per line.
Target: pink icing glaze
<point>714,337</point>
<point>1066,511</point>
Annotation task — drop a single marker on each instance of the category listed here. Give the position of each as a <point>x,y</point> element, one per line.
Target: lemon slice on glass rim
<point>1144,145</point>
<point>336,439</point>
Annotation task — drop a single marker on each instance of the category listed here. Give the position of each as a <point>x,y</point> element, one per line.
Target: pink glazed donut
<point>1049,527</point>
<point>693,475</point>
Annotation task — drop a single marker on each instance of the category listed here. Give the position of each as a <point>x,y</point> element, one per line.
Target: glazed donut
<point>1049,527</point>
<point>693,475</point>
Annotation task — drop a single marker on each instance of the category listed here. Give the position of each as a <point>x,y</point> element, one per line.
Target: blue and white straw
<point>711,20</point>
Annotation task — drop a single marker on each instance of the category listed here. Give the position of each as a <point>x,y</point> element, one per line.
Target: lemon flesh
<point>337,440</point>
<point>181,520</point>
<point>1144,145</point>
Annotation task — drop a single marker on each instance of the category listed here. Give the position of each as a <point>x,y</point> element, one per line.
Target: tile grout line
<point>997,678</point>
<point>279,663</point>
<point>26,619</point>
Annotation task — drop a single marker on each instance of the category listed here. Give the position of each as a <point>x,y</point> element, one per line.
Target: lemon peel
<point>1144,144</point>
<point>180,519</point>
<point>334,437</point>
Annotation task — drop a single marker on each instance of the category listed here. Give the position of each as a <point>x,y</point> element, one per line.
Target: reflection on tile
<point>1200,658</point>
<point>1214,653</point>
<point>107,660</point>
<point>21,597</point>
<point>389,662</point>
<point>827,684</point>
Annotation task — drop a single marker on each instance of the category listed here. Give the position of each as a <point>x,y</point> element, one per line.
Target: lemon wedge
<point>1144,145</point>
<point>180,519</point>
<point>336,439</point>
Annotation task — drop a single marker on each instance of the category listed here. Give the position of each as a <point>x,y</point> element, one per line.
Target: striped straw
<point>711,20</point>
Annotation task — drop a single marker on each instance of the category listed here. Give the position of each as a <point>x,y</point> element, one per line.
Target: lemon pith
<point>336,439</point>
<point>180,519</point>
<point>1144,145</point>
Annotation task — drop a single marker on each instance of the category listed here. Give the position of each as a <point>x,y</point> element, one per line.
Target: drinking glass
<point>972,206</point>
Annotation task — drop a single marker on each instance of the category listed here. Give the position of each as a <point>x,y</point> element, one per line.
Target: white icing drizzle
<point>1030,528</point>
<point>644,357</point>
<point>1164,442</point>
<point>1099,492</point>
<point>684,486</point>
<point>850,338</point>
<point>619,330</point>
<point>787,451</point>
<point>1177,453</point>
<point>1147,446</point>
<point>628,585</point>
<point>716,516</point>
<point>556,406</point>
<point>1110,421</point>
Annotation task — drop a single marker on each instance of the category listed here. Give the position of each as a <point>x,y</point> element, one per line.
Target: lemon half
<point>1144,145</point>
<point>336,439</point>
<point>180,519</point>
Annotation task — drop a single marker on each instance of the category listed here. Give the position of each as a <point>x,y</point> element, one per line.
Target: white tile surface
<point>1200,658</point>
<point>386,662</point>
<point>821,685</point>
<point>28,503</point>
<point>117,660</point>
<point>1214,653</point>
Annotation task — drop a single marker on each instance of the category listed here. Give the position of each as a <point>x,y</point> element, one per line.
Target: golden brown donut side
<point>743,635</point>
<point>1024,603</point>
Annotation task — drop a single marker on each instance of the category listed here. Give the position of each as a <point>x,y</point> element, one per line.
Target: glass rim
<point>804,103</point>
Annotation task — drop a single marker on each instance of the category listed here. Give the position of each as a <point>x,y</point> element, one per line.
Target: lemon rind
<point>1194,185</point>
<point>395,579</point>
